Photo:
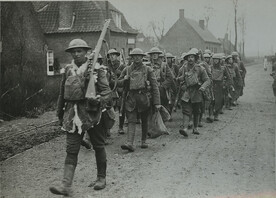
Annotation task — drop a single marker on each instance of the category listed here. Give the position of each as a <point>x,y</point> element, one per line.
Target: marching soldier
<point>81,114</point>
<point>236,79</point>
<point>208,93</point>
<point>143,92</point>
<point>242,69</point>
<point>174,68</point>
<point>194,81</point>
<point>219,72</point>
<point>163,75</point>
<point>114,70</point>
<point>273,74</point>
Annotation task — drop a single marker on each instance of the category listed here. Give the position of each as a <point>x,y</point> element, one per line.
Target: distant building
<point>226,45</point>
<point>144,43</point>
<point>187,33</point>
<point>63,21</point>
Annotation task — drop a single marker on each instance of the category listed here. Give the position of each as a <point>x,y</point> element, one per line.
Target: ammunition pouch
<point>74,88</point>
<point>108,117</point>
<point>191,79</point>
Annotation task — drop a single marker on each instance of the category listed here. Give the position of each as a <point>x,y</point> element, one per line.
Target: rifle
<point>91,90</point>
<point>124,95</point>
<point>122,58</point>
<point>177,98</point>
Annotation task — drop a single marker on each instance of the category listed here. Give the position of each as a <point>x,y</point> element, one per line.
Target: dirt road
<point>234,157</point>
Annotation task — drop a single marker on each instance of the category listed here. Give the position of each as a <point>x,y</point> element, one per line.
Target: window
<point>129,50</point>
<point>50,62</point>
<point>215,50</point>
<point>131,41</point>
<point>53,66</point>
<point>117,19</point>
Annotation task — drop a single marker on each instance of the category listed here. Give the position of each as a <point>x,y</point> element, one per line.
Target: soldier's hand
<point>95,101</point>
<point>126,80</point>
<point>202,89</point>
<point>157,107</point>
<point>60,121</point>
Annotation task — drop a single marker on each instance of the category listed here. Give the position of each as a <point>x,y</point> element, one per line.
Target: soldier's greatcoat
<point>75,114</point>
<point>143,89</point>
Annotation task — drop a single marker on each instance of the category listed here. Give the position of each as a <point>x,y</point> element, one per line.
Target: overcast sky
<point>260,17</point>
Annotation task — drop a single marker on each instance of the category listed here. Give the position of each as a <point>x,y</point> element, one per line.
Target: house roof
<point>89,17</point>
<point>205,34</point>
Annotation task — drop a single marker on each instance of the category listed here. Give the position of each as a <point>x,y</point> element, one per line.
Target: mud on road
<point>234,157</point>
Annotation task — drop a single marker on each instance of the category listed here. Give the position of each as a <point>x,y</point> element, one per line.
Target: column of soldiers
<point>201,83</point>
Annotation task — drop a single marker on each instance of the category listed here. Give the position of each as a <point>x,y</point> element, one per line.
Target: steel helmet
<point>77,43</point>
<point>169,55</point>
<point>113,51</point>
<point>137,51</point>
<point>161,55</point>
<point>235,54</point>
<point>229,56</point>
<point>183,55</point>
<point>206,55</point>
<point>155,50</point>
<point>195,50</point>
<point>217,56</point>
<point>191,52</point>
<point>207,51</point>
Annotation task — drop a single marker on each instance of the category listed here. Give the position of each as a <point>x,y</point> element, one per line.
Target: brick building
<point>187,33</point>
<point>63,21</point>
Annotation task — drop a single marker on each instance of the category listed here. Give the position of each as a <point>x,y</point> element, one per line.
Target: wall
<point>23,58</point>
<point>59,42</point>
<point>180,38</point>
<point>120,41</point>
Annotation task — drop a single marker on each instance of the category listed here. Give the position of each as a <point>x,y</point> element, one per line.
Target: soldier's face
<point>113,57</point>
<point>230,60</point>
<point>207,60</point>
<point>137,58</point>
<point>155,56</point>
<point>78,54</point>
<point>169,60</point>
<point>216,61</point>
<point>191,59</point>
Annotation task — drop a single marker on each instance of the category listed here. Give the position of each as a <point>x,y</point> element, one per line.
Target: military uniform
<point>114,70</point>
<point>143,93</point>
<point>208,95</point>
<point>80,115</point>
<point>242,70</point>
<point>193,78</point>
<point>218,74</point>
<point>236,78</point>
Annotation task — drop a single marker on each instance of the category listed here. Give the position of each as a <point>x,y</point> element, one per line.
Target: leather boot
<point>200,118</point>
<point>100,182</point>
<point>183,130</point>
<point>130,137</point>
<point>144,119</point>
<point>66,188</point>
<point>144,144</point>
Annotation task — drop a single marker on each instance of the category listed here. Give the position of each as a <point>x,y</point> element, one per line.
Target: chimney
<point>201,24</point>
<point>66,14</point>
<point>181,13</point>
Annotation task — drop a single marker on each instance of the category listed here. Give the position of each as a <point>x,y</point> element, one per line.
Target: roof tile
<point>89,17</point>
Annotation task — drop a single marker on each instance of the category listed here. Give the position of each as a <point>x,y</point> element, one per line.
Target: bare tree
<point>158,28</point>
<point>242,25</point>
<point>235,3</point>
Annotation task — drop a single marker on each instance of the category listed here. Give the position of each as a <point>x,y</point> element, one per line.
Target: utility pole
<point>107,17</point>
<point>1,80</point>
